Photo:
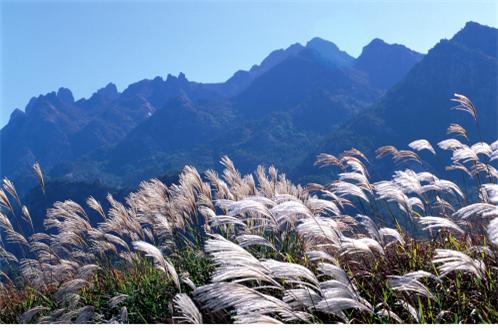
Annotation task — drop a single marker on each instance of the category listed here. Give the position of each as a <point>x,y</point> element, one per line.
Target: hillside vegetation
<point>223,248</point>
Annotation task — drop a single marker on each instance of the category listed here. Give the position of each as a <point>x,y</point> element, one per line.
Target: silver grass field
<point>230,248</point>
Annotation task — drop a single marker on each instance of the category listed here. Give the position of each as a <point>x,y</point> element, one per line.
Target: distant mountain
<point>290,106</point>
<point>420,107</point>
<point>329,52</point>
<point>275,113</point>
<point>386,64</point>
<point>242,79</point>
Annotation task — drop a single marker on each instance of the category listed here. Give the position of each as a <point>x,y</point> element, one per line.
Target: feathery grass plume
<point>421,274</point>
<point>494,155</point>
<point>393,233</point>
<point>116,241</point>
<point>408,283</point>
<point>335,272</point>
<point>433,222</point>
<point>355,164</point>
<point>247,303</point>
<point>291,211</point>
<point>370,226</point>
<point>476,209</point>
<point>118,299</point>
<point>247,240</point>
<point>255,205</point>
<point>223,220</point>
<point>220,187</point>
<point>95,205</point>
<point>27,216</point>
<point>351,246</point>
<point>448,186</point>
<point>123,315</point>
<point>291,273</point>
<point>459,166</point>
<point>321,206</point>
<point>39,174</point>
<point>9,187</point>
<point>420,145</point>
<point>479,167</point>
<point>189,313</point>
<point>383,151</point>
<point>27,316</point>
<point>322,257</point>
<point>15,237</point>
<point>319,230</point>
<point>343,189</point>
<point>256,319</point>
<point>389,314</point>
<point>493,231</point>
<point>5,223</point>
<point>465,105</point>
<point>336,305</point>
<point>301,298</point>
<point>482,148</point>
<point>339,293</point>
<point>235,263</point>
<point>325,160</point>
<point>84,314</point>
<point>450,144</point>
<point>7,256</point>
<point>409,308</point>
<point>4,201</point>
<point>452,260</point>
<point>159,260</point>
<point>69,287</point>
<point>390,191</point>
<point>464,155</point>
<point>458,130</point>
<point>356,178</point>
<point>353,152</point>
<point>87,271</point>
<point>187,281</point>
<point>404,156</point>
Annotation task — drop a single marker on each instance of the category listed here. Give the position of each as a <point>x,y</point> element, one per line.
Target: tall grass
<point>221,248</point>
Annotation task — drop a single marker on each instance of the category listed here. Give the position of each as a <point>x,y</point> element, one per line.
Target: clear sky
<point>83,45</point>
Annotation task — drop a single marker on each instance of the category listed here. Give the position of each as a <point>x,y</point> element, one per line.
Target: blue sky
<point>83,45</point>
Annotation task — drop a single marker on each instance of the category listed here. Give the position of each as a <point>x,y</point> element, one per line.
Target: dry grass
<point>220,248</point>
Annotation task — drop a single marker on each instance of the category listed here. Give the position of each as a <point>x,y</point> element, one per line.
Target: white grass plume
<point>235,263</point>
<point>4,201</point>
<point>493,231</point>
<point>27,316</point>
<point>457,129</point>
<point>433,222</point>
<point>407,283</point>
<point>451,260</point>
<point>247,302</point>
<point>291,273</point>
<point>118,299</point>
<point>160,262</point>
<point>465,105</point>
<point>39,174</point>
<point>247,240</point>
<point>189,313</point>
<point>9,187</point>
<point>420,145</point>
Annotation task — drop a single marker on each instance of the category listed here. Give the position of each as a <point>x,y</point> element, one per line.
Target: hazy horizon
<point>85,45</point>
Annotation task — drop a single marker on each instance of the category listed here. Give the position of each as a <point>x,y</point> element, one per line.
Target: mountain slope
<point>386,64</point>
<point>420,106</point>
<point>277,119</point>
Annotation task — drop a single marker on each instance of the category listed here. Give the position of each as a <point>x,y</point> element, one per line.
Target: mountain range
<point>296,103</point>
